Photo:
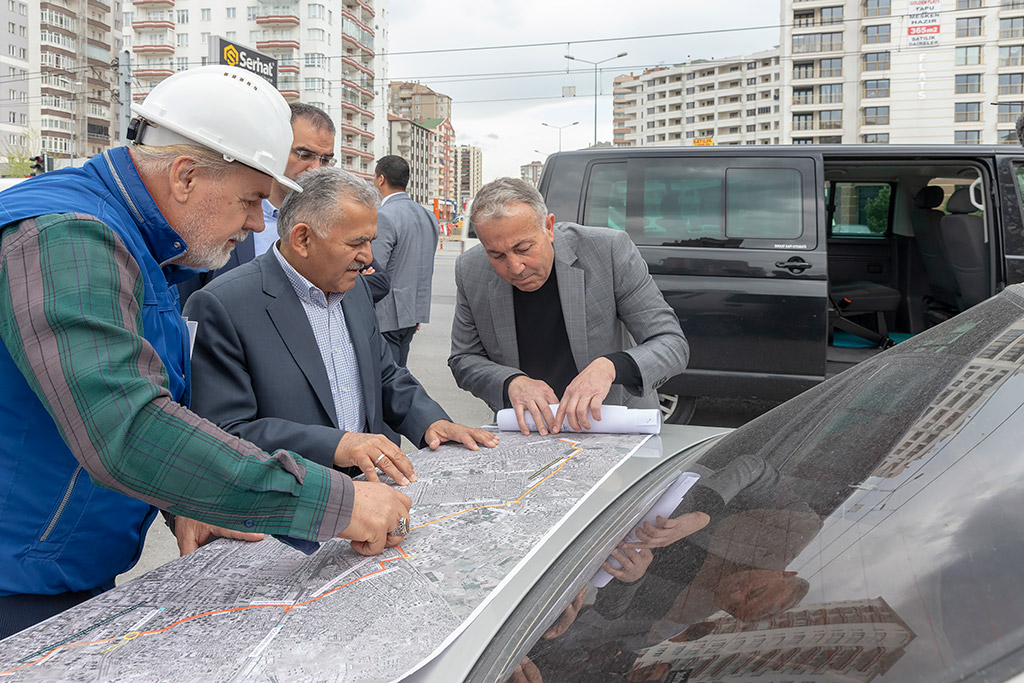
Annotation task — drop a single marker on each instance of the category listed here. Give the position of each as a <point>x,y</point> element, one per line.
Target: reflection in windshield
<point>868,530</point>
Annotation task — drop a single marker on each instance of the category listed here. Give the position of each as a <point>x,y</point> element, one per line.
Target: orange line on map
<point>511,502</point>
<point>291,607</point>
<point>287,609</point>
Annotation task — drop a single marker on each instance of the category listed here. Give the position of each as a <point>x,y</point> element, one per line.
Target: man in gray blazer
<point>288,351</point>
<point>543,312</point>
<point>405,246</point>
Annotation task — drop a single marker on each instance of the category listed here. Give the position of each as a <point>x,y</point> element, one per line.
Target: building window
<point>1012,4</point>
<point>968,26</point>
<point>803,122</point>
<point>967,111</point>
<point>803,141</point>
<point>831,118</point>
<point>230,12</point>
<point>876,61</point>
<point>817,42</point>
<point>183,16</point>
<point>877,8</point>
<point>968,4</point>
<point>1009,111</point>
<point>876,116</point>
<point>182,40</point>
<point>1011,28</point>
<point>803,95</point>
<point>251,13</point>
<point>204,14</point>
<point>876,34</point>
<point>967,137</point>
<point>876,88</point>
<point>830,94</point>
<point>1011,55</point>
<point>831,68</point>
<point>968,55</point>
<point>1011,84</point>
<point>831,15</point>
<point>803,70</point>
<point>966,83</point>
<point>830,140</point>
<point>875,139</point>
<point>803,19</point>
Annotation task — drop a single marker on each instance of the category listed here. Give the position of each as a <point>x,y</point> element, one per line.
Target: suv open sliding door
<point>735,245</point>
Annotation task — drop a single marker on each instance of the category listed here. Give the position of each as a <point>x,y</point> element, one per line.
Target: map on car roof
<point>234,611</point>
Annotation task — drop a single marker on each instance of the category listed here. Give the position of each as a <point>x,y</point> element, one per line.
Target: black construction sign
<point>246,58</point>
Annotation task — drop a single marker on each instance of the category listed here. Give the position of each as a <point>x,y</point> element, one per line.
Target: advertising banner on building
<point>923,23</point>
<point>233,54</point>
<point>703,142</point>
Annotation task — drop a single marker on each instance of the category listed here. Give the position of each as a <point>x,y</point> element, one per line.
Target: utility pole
<point>602,61</point>
<point>124,79</point>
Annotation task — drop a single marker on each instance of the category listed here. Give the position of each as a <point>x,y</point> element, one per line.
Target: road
<point>428,358</point>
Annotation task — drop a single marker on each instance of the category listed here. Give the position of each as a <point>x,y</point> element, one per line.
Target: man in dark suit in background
<point>288,349</point>
<point>312,148</point>
<point>405,246</point>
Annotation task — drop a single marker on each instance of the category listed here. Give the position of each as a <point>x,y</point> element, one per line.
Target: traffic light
<point>38,166</point>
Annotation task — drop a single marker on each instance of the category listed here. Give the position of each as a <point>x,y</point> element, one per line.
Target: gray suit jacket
<point>258,373</point>
<point>605,291</point>
<point>405,246</point>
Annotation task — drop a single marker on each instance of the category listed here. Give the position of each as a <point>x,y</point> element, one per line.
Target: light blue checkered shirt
<point>328,322</point>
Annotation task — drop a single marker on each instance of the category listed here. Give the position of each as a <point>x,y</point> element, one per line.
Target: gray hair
<point>317,204</point>
<point>158,160</point>
<point>493,199</point>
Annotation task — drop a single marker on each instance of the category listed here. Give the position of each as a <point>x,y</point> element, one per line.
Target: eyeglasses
<point>305,156</point>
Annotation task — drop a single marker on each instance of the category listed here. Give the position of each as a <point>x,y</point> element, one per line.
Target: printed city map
<point>235,611</point>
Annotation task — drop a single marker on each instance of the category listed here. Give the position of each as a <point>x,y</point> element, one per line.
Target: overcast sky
<point>501,112</point>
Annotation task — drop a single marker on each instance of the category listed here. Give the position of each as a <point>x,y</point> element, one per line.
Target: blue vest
<point>58,530</point>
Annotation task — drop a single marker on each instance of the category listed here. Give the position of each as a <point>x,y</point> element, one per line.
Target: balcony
<point>348,15</point>
<point>349,128</point>
<point>277,45</point>
<point>356,108</point>
<point>353,41</point>
<point>346,60</point>
<point>288,68</point>
<point>356,152</point>
<point>155,4</point>
<point>289,94</point>
<point>153,49</point>
<point>358,88</point>
<point>278,20</point>
<point>148,24</point>
<point>153,73</point>
<point>351,5</point>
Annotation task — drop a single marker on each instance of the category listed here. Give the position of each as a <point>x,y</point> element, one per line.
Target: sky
<point>501,110</point>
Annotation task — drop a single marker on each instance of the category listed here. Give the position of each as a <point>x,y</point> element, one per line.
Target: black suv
<point>789,264</point>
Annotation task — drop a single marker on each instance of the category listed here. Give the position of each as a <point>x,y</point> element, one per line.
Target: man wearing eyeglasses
<point>312,147</point>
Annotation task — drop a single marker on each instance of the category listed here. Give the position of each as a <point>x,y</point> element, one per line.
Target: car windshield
<point>868,530</point>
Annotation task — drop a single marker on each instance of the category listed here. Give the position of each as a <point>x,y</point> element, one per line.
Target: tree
<point>877,211</point>
<point>17,155</point>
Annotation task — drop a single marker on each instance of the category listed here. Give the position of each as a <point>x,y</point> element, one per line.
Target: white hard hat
<point>225,108</point>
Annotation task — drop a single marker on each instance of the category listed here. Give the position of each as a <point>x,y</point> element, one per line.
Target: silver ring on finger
<point>402,529</point>
<point>379,458</point>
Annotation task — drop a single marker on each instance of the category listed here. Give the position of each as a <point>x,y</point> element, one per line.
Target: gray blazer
<point>606,292</point>
<point>405,246</point>
<point>258,373</point>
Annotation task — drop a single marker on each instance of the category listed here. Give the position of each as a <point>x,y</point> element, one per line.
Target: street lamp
<point>74,124</point>
<point>559,128</point>
<point>621,54</point>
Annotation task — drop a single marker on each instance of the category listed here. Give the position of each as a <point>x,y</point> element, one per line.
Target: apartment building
<point>442,159</point>
<point>531,172</point>
<point>58,73</point>
<point>469,174</point>
<point>729,101</point>
<point>325,52</point>
<point>418,102</point>
<point>902,71</point>
<point>413,142</point>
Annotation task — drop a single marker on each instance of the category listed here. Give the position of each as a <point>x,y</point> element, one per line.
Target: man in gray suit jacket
<point>405,246</point>
<point>288,351</point>
<point>543,312</point>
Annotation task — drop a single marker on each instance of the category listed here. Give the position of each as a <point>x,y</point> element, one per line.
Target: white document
<point>614,420</point>
<point>668,502</point>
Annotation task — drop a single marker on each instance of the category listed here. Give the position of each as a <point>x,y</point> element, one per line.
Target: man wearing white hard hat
<point>95,433</point>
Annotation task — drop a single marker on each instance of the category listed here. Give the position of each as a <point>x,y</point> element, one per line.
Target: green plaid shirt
<point>70,315</point>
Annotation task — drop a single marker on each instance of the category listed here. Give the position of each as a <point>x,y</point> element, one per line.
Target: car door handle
<point>794,264</point>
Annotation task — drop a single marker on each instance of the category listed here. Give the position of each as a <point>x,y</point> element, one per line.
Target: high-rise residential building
<point>326,52</point>
<point>729,101</point>
<point>418,102</point>
<point>902,71</point>
<point>58,73</point>
<point>442,159</point>
<point>531,172</point>
<point>413,142</point>
<point>469,174</point>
